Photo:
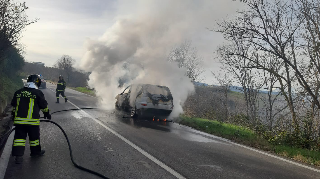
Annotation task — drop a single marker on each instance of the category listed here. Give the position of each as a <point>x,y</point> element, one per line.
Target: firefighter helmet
<point>60,77</point>
<point>35,79</point>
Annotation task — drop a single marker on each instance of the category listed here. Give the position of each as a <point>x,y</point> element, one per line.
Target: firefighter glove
<point>47,115</point>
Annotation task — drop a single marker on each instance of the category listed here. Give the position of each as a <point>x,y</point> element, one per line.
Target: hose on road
<point>72,110</point>
<point>3,139</point>
<point>71,156</point>
<point>6,136</point>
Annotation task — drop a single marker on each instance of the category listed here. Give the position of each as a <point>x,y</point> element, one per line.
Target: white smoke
<point>135,49</point>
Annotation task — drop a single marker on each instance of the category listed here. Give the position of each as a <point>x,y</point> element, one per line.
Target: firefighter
<point>27,103</point>
<point>61,86</point>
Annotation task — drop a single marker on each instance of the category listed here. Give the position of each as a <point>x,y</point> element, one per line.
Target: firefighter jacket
<point>61,85</point>
<point>27,103</point>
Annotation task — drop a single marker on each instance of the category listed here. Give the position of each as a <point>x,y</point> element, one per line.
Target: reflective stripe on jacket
<point>27,103</point>
<point>61,85</point>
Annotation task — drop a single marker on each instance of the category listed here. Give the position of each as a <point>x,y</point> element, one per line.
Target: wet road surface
<point>120,147</point>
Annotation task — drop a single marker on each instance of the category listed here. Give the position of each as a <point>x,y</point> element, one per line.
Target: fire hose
<point>7,134</point>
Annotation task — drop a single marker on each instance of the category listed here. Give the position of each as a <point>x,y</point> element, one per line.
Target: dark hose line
<point>71,156</point>
<point>72,110</point>
<point>6,136</point>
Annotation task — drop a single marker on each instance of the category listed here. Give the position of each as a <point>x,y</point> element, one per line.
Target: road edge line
<point>5,156</point>
<point>256,150</point>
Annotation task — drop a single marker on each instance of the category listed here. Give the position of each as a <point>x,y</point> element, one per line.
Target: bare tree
<point>225,82</point>
<point>276,28</point>
<point>12,21</point>
<point>65,63</point>
<point>186,56</point>
<point>250,80</point>
<point>78,78</point>
<point>310,17</point>
<point>273,106</point>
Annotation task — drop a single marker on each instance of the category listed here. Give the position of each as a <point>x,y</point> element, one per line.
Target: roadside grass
<point>302,155</point>
<point>84,90</point>
<point>248,137</point>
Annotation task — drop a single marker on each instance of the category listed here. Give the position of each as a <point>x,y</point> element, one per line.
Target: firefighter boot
<point>66,99</point>
<point>18,159</point>
<point>57,100</point>
<point>38,154</point>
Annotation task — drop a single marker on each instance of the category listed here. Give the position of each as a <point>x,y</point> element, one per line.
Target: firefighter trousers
<point>62,94</point>
<point>19,142</point>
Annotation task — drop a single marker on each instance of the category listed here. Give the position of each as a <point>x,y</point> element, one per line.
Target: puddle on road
<point>197,136</point>
<point>77,114</point>
<point>194,137</point>
<point>215,167</point>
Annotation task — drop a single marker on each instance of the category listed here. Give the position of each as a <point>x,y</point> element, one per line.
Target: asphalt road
<point>120,147</point>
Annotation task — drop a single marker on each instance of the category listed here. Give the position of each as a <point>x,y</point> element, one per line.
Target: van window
<point>152,89</point>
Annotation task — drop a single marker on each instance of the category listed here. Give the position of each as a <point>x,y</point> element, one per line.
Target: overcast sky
<point>65,25</point>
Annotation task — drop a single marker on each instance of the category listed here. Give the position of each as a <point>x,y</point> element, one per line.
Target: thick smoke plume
<point>135,49</point>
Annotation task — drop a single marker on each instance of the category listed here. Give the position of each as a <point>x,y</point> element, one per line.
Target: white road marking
<point>158,162</point>
<point>146,154</point>
<point>5,156</point>
<point>276,157</point>
<point>258,151</point>
<point>249,148</point>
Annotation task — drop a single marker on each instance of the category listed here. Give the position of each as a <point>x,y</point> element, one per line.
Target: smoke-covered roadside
<point>135,48</point>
